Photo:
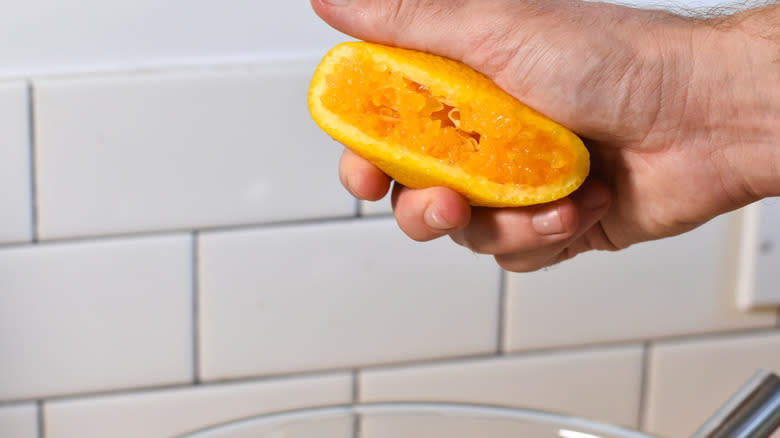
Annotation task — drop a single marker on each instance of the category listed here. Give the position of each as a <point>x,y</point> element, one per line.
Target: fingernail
<point>548,222</point>
<point>435,220</point>
<point>337,2</point>
<point>594,199</point>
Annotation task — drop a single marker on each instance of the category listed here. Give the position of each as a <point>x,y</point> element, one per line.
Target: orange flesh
<point>385,105</point>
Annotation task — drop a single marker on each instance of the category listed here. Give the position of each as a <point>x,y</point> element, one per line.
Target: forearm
<point>746,95</point>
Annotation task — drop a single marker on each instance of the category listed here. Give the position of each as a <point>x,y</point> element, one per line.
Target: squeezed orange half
<point>430,121</point>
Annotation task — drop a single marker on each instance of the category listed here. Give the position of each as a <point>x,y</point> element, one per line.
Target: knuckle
<point>557,258</point>
<point>530,263</point>
<point>404,14</point>
<point>563,255</point>
<point>465,239</point>
<point>513,263</point>
<point>414,230</point>
<point>421,237</point>
<point>460,238</point>
<point>397,11</point>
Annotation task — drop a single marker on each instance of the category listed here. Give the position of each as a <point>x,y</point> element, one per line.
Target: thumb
<point>583,64</point>
<point>480,33</point>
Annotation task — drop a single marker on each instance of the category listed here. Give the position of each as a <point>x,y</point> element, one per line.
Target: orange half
<point>430,121</point>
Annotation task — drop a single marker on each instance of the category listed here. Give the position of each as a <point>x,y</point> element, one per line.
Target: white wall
<point>56,36</point>
<point>176,251</point>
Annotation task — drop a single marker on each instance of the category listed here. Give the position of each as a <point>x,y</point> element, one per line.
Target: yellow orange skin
<point>461,86</point>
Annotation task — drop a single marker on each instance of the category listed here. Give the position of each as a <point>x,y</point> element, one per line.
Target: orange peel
<point>429,121</point>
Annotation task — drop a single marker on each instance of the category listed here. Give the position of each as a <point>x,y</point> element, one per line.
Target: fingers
<point>429,213</point>
<point>526,239</point>
<point>499,231</point>
<point>522,239</point>
<point>422,214</point>
<point>362,178</point>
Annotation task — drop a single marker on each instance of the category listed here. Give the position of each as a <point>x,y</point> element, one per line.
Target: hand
<point>681,116</point>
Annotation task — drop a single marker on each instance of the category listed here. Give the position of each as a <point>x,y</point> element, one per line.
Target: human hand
<point>678,133</point>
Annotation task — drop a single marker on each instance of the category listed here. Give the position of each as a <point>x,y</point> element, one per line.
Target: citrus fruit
<point>429,121</point>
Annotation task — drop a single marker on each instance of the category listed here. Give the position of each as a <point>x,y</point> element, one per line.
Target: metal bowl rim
<point>564,422</point>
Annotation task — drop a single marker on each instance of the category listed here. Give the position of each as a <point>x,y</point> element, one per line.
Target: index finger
<point>361,178</point>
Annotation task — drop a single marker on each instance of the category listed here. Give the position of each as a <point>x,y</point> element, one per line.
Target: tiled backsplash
<point>166,413</point>
<point>181,150</point>
<point>672,287</point>
<point>176,251</point>
<point>74,36</point>
<point>555,381</point>
<point>345,294</point>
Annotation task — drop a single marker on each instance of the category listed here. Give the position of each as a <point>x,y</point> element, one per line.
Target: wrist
<point>741,67</point>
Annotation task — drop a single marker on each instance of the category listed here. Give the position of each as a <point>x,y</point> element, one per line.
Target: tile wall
<point>176,252</point>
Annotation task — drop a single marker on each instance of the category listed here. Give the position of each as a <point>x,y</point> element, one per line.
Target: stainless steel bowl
<point>753,412</point>
<point>415,420</point>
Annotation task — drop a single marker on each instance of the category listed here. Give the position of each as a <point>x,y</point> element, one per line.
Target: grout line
<point>643,386</point>
<point>355,386</point>
<point>502,297</point>
<point>220,66</point>
<point>176,387</point>
<point>392,365</point>
<point>357,419</point>
<point>31,138</point>
<point>357,423</point>
<point>359,208</point>
<point>40,419</point>
<point>195,308</point>
<point>171,231</point>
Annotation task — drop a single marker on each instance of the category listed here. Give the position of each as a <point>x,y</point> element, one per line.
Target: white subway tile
<point>94,316</point>
<point>181,150</point>
<point>676,286</point>
<point>757,273</point>
<point>325,296</point>
<point>148,33</point>
<point>15,180</point>
<point>166,413</point>
<point>600,384</point>
<point>689,380</point>
<point>19,421</point>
